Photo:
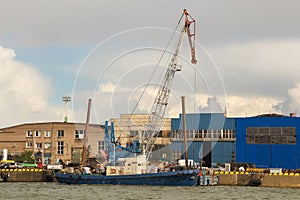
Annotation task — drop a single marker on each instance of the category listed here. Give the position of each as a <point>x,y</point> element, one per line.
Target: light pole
<point>66,99</point>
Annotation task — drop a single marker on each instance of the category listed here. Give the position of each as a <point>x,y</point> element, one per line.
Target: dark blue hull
<point>178,178</point>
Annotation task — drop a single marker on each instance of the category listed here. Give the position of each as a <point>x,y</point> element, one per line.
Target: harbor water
<point>43,190</point>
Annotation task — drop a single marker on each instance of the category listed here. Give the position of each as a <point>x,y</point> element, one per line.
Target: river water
<point>56,191</point>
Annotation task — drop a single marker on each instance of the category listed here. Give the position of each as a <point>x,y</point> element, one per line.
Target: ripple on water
<point>67,192</point>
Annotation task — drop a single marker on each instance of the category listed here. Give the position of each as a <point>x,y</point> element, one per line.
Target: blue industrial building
<point>270,141</point>
<point>210,136</point>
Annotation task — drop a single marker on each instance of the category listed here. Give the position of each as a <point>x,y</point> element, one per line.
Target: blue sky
<point>247,53</point>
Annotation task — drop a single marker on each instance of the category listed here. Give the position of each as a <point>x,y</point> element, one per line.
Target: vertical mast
<point>184,132</point>
<point>86,132</point>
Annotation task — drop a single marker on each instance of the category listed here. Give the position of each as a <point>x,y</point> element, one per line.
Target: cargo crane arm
<point>161,101</point>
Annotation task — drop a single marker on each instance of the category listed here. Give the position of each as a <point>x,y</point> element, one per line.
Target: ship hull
<point>178,178</point>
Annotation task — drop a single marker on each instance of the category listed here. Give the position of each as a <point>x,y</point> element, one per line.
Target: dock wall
<point>288,180</point>
<point>26,175</point>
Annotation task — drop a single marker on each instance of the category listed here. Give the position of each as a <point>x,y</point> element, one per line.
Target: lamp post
<point>66,99</point>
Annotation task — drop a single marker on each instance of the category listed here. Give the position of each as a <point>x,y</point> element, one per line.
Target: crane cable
<point>156,66</point>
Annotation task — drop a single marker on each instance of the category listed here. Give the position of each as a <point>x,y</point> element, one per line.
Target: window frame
<point>47,133</point>
<point>60,133</point>
<point>60,147</point>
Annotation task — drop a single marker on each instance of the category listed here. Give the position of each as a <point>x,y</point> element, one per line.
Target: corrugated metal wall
<point>268,155</point>
<point>204,121</point>
<point>220,151</point>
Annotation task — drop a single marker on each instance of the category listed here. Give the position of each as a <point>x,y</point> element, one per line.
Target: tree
<point>26,156</point>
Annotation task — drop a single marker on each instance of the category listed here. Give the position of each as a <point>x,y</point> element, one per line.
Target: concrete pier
<point>288,180</point>
<point>26,175</point>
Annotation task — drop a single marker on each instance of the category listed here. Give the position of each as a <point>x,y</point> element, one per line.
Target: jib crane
<point>161,101</point>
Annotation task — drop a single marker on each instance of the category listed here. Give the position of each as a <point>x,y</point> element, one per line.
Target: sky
<point>116,53</point>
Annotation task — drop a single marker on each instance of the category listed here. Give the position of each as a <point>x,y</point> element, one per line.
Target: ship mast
<point>84,149</point>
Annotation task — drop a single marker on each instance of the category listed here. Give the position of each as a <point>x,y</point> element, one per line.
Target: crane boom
<point>161,101</point>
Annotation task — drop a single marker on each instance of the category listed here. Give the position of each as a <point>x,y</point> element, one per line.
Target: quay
<point>283,180</point>
<point>26,175</point>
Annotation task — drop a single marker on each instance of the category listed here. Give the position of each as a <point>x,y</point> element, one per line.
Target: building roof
<point>41,123</point>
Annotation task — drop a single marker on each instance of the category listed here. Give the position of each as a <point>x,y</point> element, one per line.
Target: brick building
<point>51,141</point>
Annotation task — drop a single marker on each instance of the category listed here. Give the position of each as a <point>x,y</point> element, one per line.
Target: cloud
<point>261,71</point>
<point>239,106</point>
<point>24,92</point>
<point>292,101</point>
<point>259,68</point>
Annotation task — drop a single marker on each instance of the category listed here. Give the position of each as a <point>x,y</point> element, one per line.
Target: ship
<point>177,178</point>
<point>133,172</point>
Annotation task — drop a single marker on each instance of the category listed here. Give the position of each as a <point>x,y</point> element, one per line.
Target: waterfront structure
<point>270,141</point>
<point>211,138</point>
<point>51,141</point>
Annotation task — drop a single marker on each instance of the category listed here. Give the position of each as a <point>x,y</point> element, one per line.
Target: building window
<point>47,145</point>
<point>60,147</point>
<point>101,146</point>
<point>38,133</point>
<point>38,145</point>
<point>271,135</point>
<point>79,134</point>
<point>28,144</point>
<point>134,133</point>
<point>177,154</point>
<point>48,133</point>
<point>29,133</point>
<point>60,133</point>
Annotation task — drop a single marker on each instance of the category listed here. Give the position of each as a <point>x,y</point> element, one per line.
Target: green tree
<point>26,156</point>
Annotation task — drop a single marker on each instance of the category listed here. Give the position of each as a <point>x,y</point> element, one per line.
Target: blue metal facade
<point>203,121</point>
<point>268,155</point>
<point>221,151</point>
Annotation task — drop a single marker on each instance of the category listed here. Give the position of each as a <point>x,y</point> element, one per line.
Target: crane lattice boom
<point>161,101</point>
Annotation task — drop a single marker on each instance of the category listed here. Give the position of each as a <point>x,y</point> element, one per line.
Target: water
<point>56,191</point>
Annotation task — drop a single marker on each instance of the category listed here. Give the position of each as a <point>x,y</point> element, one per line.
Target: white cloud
<point>238,106</point>
<point>24,92</point>
<point>258,75</point>
<point>294,95</point>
